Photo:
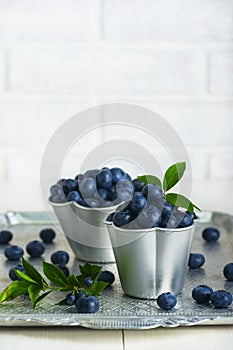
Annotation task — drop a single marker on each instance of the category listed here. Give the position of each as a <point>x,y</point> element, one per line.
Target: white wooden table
<point>25,195</point>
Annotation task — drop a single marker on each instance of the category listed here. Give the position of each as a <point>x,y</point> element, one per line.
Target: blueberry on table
<point>12,273</point>
<point>106,276</point>
<point>167,301</point>
<point>196,260</point>
<point>5,236</point>
<point>35,249</point>
<point>47,235</point>
<point>221,299</point>
<point>202,293</point>
<point>70,299</point>
<point>228,271</point>
<point>87,304</point>
<point>210,234</point>
<point>88,281</point>
<point>64,269</point>
<point>60,257</point>
<point>13,252</point>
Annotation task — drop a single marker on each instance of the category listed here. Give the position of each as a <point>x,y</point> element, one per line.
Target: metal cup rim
<point>102,209</point>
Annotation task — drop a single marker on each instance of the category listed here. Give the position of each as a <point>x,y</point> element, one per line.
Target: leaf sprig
<point>171,177</point>
<point>33,283</point>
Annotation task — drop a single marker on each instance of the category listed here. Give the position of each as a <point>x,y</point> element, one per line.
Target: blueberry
<point>104,179</point>
<point>87,304</point>
<point>110,217</point>
<point>137,203</point>
<point>88,188</point>
<point>58,198</point>
<point>56,189</point>
<point>80,294</point>
<point>106,276</point>
<point>125,185</point>
<point>167,209</point>
<point>112,194</point>
<point>138,185</point>
<point>127,177</point>
<point>91,173</point>
<point>103,193</point>
<point>93,203</point>
<point>47,235</point>
<point>210,234</point>
<point>122,218</point>
<point>202,293</point>
<point>60,257</point>
<point>221,299</point>
<point>13,252</point>
<point>79,178</point>
<point>12,273</point>
<point>35,249</point>
<point>153,193</point>
<point>88,281</point>
<point>5,236</point>
<point>117,175</point>
<point>196,260</point>
<point>150,216</point>
<point>228,271</point>
<point>167,301</point>
<point>184,220</point>
<point>64,269</point>
<point>74,196</point>
<point>69,185</point>
<point>123,196</point>
<point>70,299</point>
<point>168,222</point>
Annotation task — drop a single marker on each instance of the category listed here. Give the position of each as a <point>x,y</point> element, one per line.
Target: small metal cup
<point>85,231</point>
<point>151,261</point>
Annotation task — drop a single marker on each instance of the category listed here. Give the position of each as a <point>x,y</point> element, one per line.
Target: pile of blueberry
<point>96,188</point>
<point>203,294</point>
<point>148,208</point>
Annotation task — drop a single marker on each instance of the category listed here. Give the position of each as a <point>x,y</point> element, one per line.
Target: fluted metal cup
<point>151,261</point>
<point>85,231</point>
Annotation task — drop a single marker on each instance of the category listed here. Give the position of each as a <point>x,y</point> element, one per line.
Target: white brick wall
<point>60,57</point>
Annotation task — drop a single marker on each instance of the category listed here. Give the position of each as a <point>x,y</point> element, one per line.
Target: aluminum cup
<point>85,231</point>
<point>151,261</point>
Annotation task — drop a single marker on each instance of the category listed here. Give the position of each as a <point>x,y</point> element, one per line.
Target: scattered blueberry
<point>88,281</point>
<point>221,299</point>
<point>106,276</point>
<point>47,235</point>
<point>196,260</point>
<point>211,234</point>
<point>87,304</point>
<point>12,273</point>
<point>5,236</point>
<point>70,299</point>
<point>13,252</point>
<point>202,293</point>
<point>166,301</point>
<point>35,249</point>
<point>64,269</point>
<point>228,271</point>
<point>60,257</point>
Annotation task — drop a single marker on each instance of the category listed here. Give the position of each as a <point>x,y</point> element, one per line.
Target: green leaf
<point>180,201</point>
<point>97,288</point>
<point>73,281</point>
<point>33,273</point>
<point>24,277</point>
<point>34,291</point>
<point>40,298</point>
<point>92,271</point>
<point>173,174</point>
<point>55,274</point>
<point>15,289</point>
<point>150,179</point>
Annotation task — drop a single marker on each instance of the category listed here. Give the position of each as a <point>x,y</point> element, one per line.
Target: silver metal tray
<point>117,311</point>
